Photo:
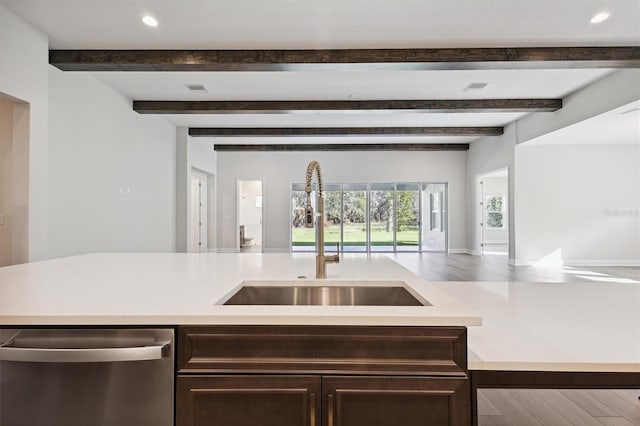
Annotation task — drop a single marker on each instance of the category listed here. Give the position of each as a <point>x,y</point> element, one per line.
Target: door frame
<point>478,217</point>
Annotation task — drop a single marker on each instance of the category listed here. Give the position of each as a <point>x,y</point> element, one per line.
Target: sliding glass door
<point>375,217</point>
<point>354,215</point>
<point>302,238</point>
<point>332,216</point>
<point>381,217</point>
<point>407,217</point>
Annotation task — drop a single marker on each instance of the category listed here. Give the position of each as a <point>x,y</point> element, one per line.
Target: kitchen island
<point>294,365</point>
<point>554,335</point>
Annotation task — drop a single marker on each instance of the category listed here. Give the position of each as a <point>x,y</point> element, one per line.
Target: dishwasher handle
<point>138,353</point>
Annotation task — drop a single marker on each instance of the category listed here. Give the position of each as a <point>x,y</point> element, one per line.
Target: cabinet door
<point>248,401</point>
<point>395,401</point>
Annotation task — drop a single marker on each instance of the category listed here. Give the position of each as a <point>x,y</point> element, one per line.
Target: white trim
<point>496,241</point>
<point>583,262</point>
<point>461,251</point>
<point>275,250</point>
<point>226,250</point>
<point>609,262</point>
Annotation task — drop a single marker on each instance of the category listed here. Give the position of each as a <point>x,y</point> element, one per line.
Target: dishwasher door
<point>82,377</point>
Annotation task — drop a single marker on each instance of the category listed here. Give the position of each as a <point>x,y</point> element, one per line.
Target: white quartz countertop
<point>176,289</point>
<point>524,326</point>
<point>578,326</point>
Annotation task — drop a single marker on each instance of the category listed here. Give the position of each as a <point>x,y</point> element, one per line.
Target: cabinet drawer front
<point>323,350</point>
<point>395,401</point>
<point>248,401</point>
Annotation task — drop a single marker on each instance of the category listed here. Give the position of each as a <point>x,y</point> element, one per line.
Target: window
<point>436,209</point>
<point>494,207</point>
<point>374,217</point>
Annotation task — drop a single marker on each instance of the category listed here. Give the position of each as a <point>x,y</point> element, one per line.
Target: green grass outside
<point>356,235</point>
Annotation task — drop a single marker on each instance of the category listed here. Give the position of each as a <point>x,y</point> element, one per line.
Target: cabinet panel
<point>395,401</point>
<point>371,350</point>
<point>248,401</point>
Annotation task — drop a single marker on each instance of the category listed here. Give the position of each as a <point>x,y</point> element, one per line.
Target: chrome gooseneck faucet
<point>321,259</point>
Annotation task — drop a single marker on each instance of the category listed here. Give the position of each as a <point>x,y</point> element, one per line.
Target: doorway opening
<point>202,212</point>
<point>250,233</point>
<point>492,217</point>
<point>14,180</point>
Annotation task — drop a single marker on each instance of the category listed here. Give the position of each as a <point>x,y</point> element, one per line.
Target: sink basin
<point>383,293</point>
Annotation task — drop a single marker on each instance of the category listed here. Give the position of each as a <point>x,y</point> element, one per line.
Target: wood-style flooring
<point>464,267</point>
<point>551,407</point>
<point>535,407</point>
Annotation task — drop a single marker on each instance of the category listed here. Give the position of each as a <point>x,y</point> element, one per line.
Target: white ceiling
<point>272,24</point>
<point>381,119</point>
<point>356,85</point>
<point>318,24</point>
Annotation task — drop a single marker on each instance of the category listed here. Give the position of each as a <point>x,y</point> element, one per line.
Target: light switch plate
<point>1,219</point>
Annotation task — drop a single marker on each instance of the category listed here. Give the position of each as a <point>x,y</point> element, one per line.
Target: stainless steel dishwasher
<point>82,377</point>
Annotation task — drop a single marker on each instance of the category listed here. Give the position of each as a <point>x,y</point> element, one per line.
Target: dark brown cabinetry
<point>248,401</point>
<point>394,401</point>
<point>322,376</point>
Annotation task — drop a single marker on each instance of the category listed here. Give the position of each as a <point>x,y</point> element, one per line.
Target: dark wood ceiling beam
<point>292,107</point>
<point>345,147</point>
<point>343,131</point>
<point>347,59</point>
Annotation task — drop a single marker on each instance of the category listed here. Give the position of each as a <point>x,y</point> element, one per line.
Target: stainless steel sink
<point>342,295</point>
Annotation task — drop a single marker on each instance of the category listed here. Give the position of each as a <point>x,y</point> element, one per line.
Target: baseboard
<point>613,262</point>
<point>226,250</point>
<point>275,250</point>
<point>595,262</point>
<point>461,251</point>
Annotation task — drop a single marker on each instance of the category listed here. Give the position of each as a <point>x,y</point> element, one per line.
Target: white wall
<point>485,155</point>
<point>24,58</point>
<point>495,187</point>
<point>279,169</point>
<point>112,171</point>
<point>579,204</point>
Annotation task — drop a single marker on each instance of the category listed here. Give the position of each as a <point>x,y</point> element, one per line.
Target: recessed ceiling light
<point>150,21</point>
<point>476,86</point>
<point>599,17</point>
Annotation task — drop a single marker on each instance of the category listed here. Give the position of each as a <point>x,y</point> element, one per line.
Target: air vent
<point>476,86</point>
<point>197,88</point>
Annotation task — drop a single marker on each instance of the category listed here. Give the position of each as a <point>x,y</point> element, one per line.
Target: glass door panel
<point>354,217</point>
<point>302,238</point>
<point>381,217</point>
<point>407,217</point>
<point>332,216</point>
<point>434,217</point>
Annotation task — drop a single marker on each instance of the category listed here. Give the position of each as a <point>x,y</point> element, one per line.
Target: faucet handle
<point>308,217</point>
